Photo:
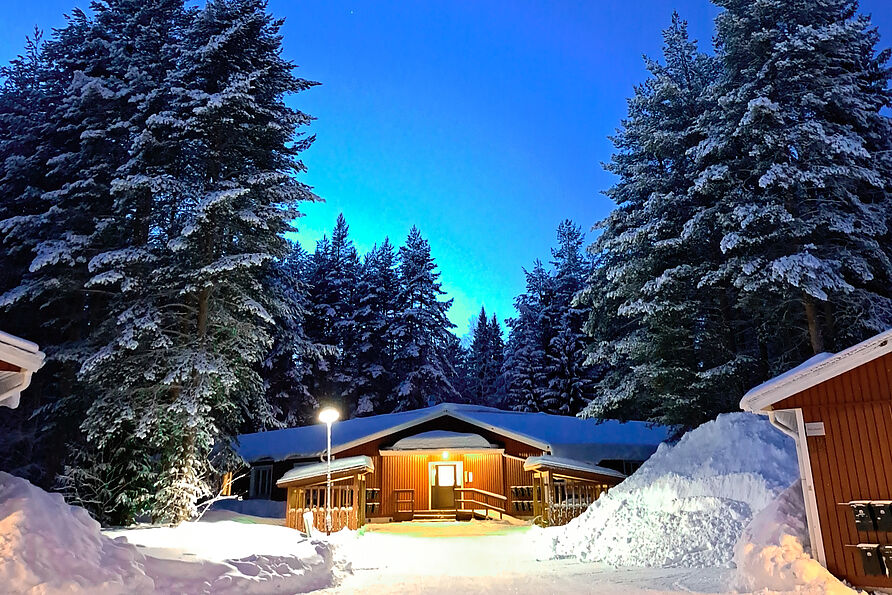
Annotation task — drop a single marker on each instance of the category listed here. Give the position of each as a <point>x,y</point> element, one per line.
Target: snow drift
<point>48,547</point>
<point>690,502</point>
<point>771,553</point>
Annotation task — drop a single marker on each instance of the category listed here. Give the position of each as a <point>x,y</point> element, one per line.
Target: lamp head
<point>329,415</point>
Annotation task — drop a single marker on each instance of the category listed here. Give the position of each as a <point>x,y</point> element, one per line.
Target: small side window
<point>261,481</point>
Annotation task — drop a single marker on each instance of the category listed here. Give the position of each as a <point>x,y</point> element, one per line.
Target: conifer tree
<point>372,319</point>
<point>485,360</point>
<point>795,166</point>
<point>523,369</point>
<point>660,338</point>
<point>421,329</point>
<point>182,365</point>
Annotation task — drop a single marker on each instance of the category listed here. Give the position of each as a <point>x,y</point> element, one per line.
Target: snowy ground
<point>493,557</point>
<point>49,547</point>
<point>708,515</point>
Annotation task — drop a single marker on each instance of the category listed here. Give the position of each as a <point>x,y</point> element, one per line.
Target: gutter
<point>791,423</point>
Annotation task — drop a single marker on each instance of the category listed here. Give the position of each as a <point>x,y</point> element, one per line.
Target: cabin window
<point>261,481</point>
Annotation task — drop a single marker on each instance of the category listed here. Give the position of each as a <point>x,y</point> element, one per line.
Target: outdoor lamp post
<point>328,416</point>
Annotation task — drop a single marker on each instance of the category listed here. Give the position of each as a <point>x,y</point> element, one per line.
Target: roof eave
<point>840,363</point>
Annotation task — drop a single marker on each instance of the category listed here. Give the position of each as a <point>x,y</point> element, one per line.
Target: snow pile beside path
<point>47,546</point>
<point>232,557</point>
<point>689,503</point>
<point>771,552</point>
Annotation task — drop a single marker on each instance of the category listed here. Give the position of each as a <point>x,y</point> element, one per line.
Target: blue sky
<point>483,123</point>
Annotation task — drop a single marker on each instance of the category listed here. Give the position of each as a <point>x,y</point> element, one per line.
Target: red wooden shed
<point>838,408</point>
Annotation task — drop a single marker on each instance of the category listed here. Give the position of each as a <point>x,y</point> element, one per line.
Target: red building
<point>447,461</point>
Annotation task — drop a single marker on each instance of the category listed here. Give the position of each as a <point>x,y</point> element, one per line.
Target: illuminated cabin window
<point>445,475</point>
<point>261,481</point>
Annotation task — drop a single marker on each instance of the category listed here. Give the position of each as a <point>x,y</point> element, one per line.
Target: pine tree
<point>286,370</point>
<point>420,329</point>
<point>568,381</point>
<point>333,296</point>
<point>661,338</point>
<point>485,360</point>
<point>795,165</point>
<point>377,304</point>
<point>182,364</point>
<point>524,366</point>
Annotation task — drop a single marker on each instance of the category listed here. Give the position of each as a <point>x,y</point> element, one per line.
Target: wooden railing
<point>478,498</point>
<point>402,499</point>
<point>344,508</point>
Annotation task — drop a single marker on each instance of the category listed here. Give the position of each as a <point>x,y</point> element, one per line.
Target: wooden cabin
<point>838,409</point>
<point>448,461</point>
<point>19,359</point>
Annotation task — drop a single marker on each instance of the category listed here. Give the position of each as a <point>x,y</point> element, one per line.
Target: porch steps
<point>434,515</point>
<point>447,515</point>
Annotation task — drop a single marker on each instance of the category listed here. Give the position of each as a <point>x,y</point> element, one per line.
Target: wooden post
<point>548,497</point>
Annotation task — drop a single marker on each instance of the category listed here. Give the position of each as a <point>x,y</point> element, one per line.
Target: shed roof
<point>814,371</point>
<point>301,473</point>
<point>550,462</point>
<point>441,439</point>
<point>582,439</point>
<point>24,358</point>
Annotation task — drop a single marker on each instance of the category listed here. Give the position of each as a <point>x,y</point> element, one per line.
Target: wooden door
<point>443,490</point>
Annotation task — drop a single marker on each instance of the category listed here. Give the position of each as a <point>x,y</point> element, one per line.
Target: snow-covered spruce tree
<point>26,97</point>
<point>420,329</point>
<point>376,308</point>
<point>333,277</point>
<point>458,358</point>
<point>485,360</point>
<point>286,369</point>
<point>524,367</point>
<point>664,341</point>
<point>568,381</point>
<point>796,165</point>
<point>182,367</point>
<point>96,81</point>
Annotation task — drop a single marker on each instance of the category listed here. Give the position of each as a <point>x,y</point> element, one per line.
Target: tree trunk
<point>829,326</point>
<point>814,328</point>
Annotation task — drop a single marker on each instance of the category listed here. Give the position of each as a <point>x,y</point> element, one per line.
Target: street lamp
<point>328,416</point>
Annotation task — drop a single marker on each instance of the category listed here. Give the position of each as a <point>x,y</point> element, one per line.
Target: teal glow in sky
<point>483,123</point>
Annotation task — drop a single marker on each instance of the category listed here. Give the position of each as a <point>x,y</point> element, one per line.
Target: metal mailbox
<point>864,520</point>
<point>886,557</point>
<point>870,559</point>
<point>882,514</point>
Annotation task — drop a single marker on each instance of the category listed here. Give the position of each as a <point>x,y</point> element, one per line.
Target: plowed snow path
<point>490,557</point>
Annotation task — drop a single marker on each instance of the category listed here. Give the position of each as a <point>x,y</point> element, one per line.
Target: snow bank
<point>232,557</point>
<point>771,553</point>
<point>256,507</point>
<point>689,503</point>
<point>49,547</point>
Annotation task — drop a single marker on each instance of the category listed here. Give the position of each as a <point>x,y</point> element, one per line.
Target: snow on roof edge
<point>818,369</point>
<point>571,464</point>
<point>320,469</point>
<point>20,352</point>
<point>308,442</point>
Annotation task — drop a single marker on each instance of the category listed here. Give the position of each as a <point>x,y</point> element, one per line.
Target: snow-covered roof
<point>313,470</point>
<point>533,463</point>
<point>441,439</point>
<point>571,437</point>
<point>21,354</point>
<point>814,371</point>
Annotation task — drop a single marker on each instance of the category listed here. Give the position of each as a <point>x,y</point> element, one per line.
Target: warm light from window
<point>445,454</point>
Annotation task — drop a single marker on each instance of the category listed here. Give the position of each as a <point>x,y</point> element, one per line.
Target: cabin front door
<point>443,490</point>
